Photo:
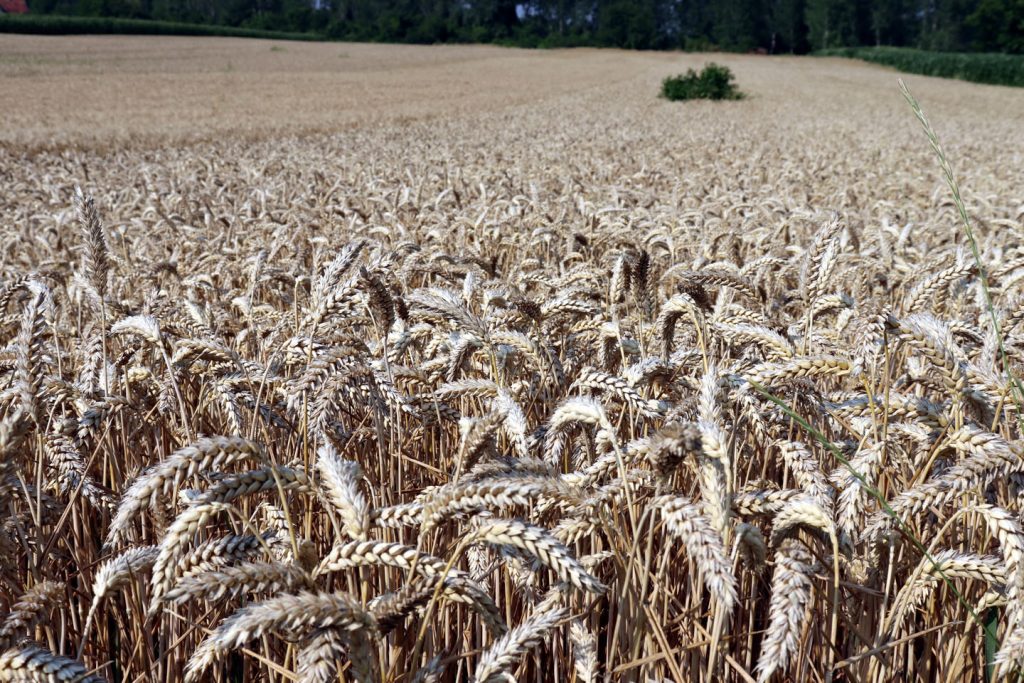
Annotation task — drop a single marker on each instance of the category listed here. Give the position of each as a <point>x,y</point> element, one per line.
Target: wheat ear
<point>299,613</point>
<point>505,653</point>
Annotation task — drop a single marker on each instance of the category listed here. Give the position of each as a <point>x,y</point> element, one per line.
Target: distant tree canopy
<point>774,26</point>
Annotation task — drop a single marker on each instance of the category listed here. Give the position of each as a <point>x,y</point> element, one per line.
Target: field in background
<point>995,69</point>
<point>338,313</point>
<point>97,89</point>
<point>93,90</point>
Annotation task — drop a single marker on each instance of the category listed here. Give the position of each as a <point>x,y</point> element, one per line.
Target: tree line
<point>772,26</point>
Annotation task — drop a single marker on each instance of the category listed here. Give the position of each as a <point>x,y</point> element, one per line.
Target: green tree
<point>998,25</point>
<point>787,28</point>
<point>625,23</point>
<point>890,24</point>
<point>737,24</point>
<point>832,23</point>
<point>695,18</point>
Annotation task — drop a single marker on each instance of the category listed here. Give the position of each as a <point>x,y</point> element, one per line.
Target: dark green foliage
<point>769,26</point>
<point>996,69</point>
<point>625,23</point>
<point>738,24</point>
<point>998,25</point>
<point>50,24</point>
<point>833,23</point>
<point>787,26</point>
<point>714,82</point>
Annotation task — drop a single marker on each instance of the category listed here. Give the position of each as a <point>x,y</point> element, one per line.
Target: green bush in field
<point>714,82</point>
<point>981,67</point>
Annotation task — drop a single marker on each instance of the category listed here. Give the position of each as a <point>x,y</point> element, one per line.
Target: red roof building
<point>13,7</point>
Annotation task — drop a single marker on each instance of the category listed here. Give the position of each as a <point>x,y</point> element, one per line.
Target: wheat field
<point>389,364</point>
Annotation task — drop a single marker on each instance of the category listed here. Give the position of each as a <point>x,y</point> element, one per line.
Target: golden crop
<point>469,364</point>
